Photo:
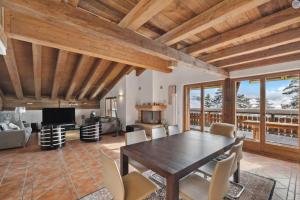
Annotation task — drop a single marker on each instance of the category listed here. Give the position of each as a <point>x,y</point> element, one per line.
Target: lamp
<point>20,111</point>
<point>296,4</point>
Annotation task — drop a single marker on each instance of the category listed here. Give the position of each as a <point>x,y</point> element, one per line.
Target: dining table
<point>174,157</point>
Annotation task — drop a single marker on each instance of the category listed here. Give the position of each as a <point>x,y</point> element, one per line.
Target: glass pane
<point>195,108</point>
<point>213,100</point>
<point>282,110</point>
<point>248,109</point>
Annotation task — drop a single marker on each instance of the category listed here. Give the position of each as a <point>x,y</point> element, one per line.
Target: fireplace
<point>151,117</point>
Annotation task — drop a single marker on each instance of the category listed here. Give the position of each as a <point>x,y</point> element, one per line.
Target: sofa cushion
<point>4,126</point>
<point>13,126</point>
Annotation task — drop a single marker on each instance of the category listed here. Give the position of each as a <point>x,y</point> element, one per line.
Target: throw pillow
<point>4,126</point>
<point>13,126</point>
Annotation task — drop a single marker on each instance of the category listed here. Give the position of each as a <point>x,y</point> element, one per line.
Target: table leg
<point>123,164</point>
<point>172,188</point>
<point>236,175</point>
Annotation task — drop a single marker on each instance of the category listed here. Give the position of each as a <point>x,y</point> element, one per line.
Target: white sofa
<point>13,138</point>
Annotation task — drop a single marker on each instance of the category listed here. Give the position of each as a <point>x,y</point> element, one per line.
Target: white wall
<point>154,88</point>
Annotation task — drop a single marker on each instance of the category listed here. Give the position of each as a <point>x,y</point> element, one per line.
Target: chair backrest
<point>135,137</point>
<point>173,130</point>
<point>238,150</point>
<point>224,129</point>
<point>112,177</point>
<point>158,133</point>
<point>220,178</point>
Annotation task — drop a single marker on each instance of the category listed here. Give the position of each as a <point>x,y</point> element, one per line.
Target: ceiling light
<point>296,4</point>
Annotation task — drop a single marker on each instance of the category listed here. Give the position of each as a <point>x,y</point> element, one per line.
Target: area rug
<point>256,188</point>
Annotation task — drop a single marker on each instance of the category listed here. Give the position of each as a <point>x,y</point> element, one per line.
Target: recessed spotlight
<point>296,4</point>
<point>29,103</point>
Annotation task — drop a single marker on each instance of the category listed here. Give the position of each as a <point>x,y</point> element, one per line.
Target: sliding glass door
<point>213,101</point>
<point>282,110</point>
<point>248,109</point>
<point>195,108</point>
<point>204,105</point>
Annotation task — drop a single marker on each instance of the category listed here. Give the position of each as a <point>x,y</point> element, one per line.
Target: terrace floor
<point>75,170</point>
<point>270,137</point>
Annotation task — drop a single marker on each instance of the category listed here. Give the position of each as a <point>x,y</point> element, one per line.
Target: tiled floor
<point>75,170</point>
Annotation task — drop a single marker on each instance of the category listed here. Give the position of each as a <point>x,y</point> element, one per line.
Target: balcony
<point>281,124</point>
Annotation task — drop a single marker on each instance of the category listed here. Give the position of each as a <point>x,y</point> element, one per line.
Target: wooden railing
<point>278,121</point>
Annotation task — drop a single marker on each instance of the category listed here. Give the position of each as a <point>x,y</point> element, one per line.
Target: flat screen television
<point>58,116</point>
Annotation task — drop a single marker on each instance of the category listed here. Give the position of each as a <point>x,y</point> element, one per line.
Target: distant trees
<point>243,101</point>
<point>291,90</point>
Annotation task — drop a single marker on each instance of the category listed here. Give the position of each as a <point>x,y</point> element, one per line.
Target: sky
<point>251,90</point>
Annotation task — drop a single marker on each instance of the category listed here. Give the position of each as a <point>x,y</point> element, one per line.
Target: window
<point>213,101</point>
<point>204,105</point>
<point>248,108</point>
<point>282,110</point>
<point>111,107</point>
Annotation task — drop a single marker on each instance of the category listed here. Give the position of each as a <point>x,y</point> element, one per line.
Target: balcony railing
<point>279,122</point>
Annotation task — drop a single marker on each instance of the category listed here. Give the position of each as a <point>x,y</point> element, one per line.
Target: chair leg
<point>236,175</point>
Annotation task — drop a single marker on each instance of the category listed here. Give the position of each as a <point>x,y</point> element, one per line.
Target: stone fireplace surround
<point>150,115</point>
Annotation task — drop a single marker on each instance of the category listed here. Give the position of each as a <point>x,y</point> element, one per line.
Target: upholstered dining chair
<point>195,187</point>
<point>132,186</point>
<point>224,129</point>
<point>209,168</point>
<point>158,133</point>
<point>133,138</point>
<point>173,130</point>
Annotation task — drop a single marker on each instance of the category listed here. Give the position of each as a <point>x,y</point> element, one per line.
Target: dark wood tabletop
<point>176,156</point>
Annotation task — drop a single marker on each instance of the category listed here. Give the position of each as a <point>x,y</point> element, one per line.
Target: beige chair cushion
<point>112,178</point>
<point>135,137</point>
<point>197,188</point>
<point>138,166</point>
<point>194,187</point>
<point>173,130</point>
<point>137,187</point>
<point>224,129</point>
<point>158,133</point>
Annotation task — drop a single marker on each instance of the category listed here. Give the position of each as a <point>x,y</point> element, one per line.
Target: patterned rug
<point>256,188</point>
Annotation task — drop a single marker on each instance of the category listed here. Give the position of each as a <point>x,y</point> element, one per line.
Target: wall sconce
<point>121,95</point>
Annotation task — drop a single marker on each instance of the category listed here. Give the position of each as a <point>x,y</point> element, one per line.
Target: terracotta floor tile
<point>75,171</point>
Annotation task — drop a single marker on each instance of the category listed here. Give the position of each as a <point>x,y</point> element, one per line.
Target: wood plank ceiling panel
<point>37,69</point>
<point>69,69</point>
<point>23,53</point>
<point>49,58</point>
<point>5,83</point>
<point>12,68</point>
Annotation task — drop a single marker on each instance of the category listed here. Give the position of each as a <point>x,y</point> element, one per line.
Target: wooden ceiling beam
<point>139,71</point>
<point>59,72</point>
<point>73,2</point>
<point>270,61</point>
<point>96,37</point>
<point>107,77</point>
<point>34,30</point>
<point>272,41</point>
<point>81,67</point>
<point>98,71</point>
<point>12,68</point>
<point>211,17</point>
<point>260,55</point>
<point>115,81</point>
<point>31,103</point>
<point>143,12</point>
<point>264,25</point>
<point>37,69</point>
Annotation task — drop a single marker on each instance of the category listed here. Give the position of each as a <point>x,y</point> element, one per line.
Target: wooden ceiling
<point>79,49</point>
